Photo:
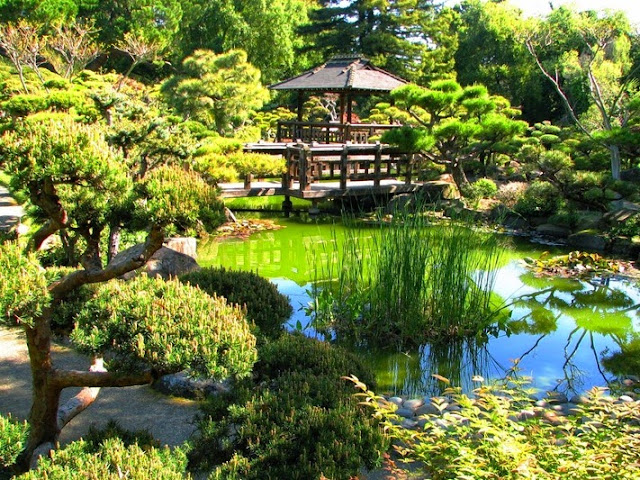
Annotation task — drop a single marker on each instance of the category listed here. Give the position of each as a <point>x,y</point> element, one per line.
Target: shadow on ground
<point>169,420</point>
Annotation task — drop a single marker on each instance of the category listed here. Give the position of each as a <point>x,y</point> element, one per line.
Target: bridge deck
<point>319,190</point>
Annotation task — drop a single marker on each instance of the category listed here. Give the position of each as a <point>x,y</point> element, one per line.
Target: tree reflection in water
<point>595,308</point>
<point>590,310</point>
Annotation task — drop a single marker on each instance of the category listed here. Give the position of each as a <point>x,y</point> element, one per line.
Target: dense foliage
<point>165,325</point>
<point>111,460</point>
<point>497,433</point>
<point>265,307</point>
<point>300,422</point>
<point>12,436</point>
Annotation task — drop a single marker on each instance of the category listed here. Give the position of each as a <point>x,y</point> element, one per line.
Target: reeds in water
<point>405,281</point>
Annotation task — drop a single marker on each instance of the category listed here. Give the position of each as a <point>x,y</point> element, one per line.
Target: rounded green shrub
<point>165,325</point>
<point>300,422</point>
<point>112,460</point>
<point>314,358</point>
<point>482,188</point>
<point>282,434</point>
<point>266,308</point>
<point>539,199</point>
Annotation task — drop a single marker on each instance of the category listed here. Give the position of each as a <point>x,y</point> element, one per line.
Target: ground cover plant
<point>110,454</point>
<point>406,283</point>
<point>299,420</point>
<point>498,433</point>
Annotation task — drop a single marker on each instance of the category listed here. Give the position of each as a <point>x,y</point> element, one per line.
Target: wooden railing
<point>320,132</point>
<point>307,164</point>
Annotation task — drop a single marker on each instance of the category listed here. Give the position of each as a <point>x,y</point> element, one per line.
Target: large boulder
<point>439,190</point>
<point>588,240</point>
<point>165,263</point>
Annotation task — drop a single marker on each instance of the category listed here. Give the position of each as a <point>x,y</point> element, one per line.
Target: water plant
<point>406,282</point>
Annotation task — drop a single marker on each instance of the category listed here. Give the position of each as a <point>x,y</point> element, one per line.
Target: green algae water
<point>568,335</point>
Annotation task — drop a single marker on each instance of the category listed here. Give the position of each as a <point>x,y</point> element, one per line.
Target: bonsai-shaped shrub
<point>266,308</point>
<point>539,199</point>
<point>298,424</point>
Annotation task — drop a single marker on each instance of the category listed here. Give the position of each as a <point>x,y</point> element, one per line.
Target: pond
<point>568,335</point>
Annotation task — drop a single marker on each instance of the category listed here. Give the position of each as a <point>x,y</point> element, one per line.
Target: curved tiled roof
<point>339,74</point>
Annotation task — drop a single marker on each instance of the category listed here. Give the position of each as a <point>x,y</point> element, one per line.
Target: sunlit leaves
<point>23,289</point>
<point>165,325</point>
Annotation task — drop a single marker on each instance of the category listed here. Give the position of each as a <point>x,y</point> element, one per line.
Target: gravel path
<point>168,419</point>
<point>10,211</point>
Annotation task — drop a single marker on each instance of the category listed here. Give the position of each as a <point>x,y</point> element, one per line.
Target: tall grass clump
<point>404,281</point>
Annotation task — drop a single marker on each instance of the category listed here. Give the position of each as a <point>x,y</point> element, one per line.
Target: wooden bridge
<point>318,171</point>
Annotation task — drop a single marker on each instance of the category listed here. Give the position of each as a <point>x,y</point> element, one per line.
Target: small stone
<point>405,412</point>
<point>527,414</point>
<point>413,404</point>
<point>542,403</point>
<point>625,399</point>
<point>397,400</point>
<point>409,424</point>
<point>428,409</point>
<point>453,408</point>
<point>556,397</point>
<point>579,399</point>
<point>443,424</point>
<point>514,417</point>
<point>552,418</point>
<point>422,422</point>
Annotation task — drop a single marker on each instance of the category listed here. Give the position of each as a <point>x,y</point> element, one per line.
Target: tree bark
<point>457,172</point>
<point>115,233</point>
<point>49,382</point>
<point>615,161</point>
<point>43,417</point>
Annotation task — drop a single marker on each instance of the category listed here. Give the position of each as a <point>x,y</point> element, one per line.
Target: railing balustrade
<point>328,132</point>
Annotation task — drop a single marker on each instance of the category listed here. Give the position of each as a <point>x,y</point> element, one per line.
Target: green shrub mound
<point>299,354</point>
<point>13,434</point>
<point>165,325</point>
<point>113,454</point>
<point>267,308</point>
<point>297,424</point>
<point>538,200</point>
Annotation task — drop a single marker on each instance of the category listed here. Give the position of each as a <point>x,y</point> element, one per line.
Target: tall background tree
<point>414,39</point>
<point>266,30</point>
<point>491,52</point>
<point>586,57</point>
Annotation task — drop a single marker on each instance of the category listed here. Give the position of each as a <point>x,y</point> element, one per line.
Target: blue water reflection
<point>559,331</point>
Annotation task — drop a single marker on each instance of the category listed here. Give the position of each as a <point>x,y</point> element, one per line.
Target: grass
<point>407,282</point>
<point>264,203</point>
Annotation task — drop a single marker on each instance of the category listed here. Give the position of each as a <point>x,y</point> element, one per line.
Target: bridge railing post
<point>344,157</point>
<point>305,153</point>
<point>377,163</point>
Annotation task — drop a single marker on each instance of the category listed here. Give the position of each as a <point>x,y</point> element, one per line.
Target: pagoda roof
<point>343,74</point>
